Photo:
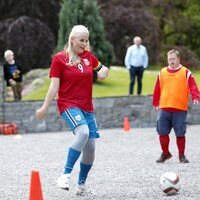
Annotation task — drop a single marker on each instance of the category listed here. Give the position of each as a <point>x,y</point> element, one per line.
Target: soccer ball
<point>170,183</point>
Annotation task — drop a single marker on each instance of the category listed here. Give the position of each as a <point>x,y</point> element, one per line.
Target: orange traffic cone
<point>126,124</point>
<point>35,187</point>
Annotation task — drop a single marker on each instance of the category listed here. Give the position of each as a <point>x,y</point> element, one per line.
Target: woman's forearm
<point>51,94</point>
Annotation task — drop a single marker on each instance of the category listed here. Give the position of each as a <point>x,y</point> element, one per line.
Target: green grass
<point>117,84</point>
<point>39,93</point>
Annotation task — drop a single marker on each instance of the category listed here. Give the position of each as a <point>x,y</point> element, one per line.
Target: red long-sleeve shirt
<point>194,91</point>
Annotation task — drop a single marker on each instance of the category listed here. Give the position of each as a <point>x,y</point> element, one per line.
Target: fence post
<point>2,96</point>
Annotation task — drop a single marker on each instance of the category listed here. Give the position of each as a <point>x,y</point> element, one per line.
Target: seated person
<point>13,74</point>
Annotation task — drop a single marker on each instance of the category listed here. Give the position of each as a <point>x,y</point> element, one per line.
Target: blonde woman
<point>72,77</point>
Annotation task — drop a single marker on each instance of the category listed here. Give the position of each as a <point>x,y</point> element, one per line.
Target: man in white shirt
<point>136,61</point>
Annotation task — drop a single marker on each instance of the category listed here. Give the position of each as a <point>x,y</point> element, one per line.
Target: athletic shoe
<point>63,181</point>
<point>82,190</point>
<point>183,159</point>
<point>164,157</point>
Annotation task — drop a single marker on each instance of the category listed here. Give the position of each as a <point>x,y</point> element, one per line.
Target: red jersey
<point>75,88</point>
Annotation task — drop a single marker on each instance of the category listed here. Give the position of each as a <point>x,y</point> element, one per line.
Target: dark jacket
<point>11,73</point>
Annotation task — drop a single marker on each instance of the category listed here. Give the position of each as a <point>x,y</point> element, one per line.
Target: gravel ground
<point>124,168</point>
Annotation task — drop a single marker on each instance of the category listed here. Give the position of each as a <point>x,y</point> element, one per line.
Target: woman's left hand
<point>102,73</point>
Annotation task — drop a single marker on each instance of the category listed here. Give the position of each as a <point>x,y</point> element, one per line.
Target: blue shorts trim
<point>168,120</point>
<point>75,117</point>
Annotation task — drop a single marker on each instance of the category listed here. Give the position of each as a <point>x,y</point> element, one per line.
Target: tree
<point>32,42</point>
<point>179,23</point>
<point>129,19</point>
<point>85,12</point>
<point>38,26</point>
<point>44,10</point>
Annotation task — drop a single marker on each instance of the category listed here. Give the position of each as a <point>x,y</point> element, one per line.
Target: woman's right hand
<point>40,114</point>
<point>52,91</point>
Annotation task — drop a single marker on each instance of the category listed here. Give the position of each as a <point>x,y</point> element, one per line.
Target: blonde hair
<point>174,51</point>
<point>76,31</point>
<point>7,53</point>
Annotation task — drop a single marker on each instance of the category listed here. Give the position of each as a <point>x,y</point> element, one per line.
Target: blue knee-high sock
<point>84,170</point>
<point>72,157</point>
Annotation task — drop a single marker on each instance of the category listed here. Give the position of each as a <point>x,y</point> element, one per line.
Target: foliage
<point>130,18</point>
<point>44,10</point>
<point>31,41</point>
<point>160,23</point>
<point>179,22</point>
<point>85,12</point>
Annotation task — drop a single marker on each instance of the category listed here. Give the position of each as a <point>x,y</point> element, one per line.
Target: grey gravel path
<point>124,168</point>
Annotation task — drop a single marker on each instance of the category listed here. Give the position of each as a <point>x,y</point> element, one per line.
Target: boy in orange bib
<point>170,97</point>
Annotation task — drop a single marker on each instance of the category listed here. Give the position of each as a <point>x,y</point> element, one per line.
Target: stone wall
<point>110,113</point>
<point>1,83</point>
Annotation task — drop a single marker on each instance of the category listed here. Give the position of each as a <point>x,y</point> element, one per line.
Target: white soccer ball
<point>170,183</point>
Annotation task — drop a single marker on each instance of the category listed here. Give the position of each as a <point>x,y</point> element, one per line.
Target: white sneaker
<point>63,181</point>
<point>82,190</point>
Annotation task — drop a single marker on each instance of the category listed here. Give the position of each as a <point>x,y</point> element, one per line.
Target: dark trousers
<point>17,90</point>
<point>136,72</point>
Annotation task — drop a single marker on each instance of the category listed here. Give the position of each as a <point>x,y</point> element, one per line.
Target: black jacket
<point>11,73</point>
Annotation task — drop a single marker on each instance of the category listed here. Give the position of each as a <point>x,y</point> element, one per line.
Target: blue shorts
<point>75,117</point>
<point>168,120</point>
